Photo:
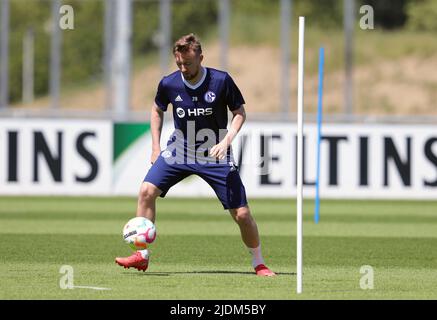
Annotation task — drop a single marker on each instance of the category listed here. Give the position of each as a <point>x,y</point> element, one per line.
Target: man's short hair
<point>187,43</point>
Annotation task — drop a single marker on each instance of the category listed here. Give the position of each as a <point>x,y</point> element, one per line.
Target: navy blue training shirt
<point>202,106</point>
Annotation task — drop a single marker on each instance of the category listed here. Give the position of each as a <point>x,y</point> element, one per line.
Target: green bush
<point>82,47</point>
<point>422,15</point>
<point>26,15</point>
<point>326,13</point>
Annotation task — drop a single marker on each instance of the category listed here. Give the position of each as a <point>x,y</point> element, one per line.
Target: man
<point>200,97</point>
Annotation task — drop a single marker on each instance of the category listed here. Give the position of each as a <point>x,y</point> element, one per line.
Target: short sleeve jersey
<point>201,106</point>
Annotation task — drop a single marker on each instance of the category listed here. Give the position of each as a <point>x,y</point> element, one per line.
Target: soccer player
<point>200,144</point>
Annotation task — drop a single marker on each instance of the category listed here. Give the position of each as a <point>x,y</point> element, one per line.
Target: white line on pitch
<point>92,288</point>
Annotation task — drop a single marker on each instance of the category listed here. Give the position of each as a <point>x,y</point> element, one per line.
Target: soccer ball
<point>139,232</point>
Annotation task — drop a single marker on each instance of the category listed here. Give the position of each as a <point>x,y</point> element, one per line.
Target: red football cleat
<point>263,271</point>
<point>135,261</point>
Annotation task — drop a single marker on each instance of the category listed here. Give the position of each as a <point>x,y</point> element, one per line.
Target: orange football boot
<point>135,261</point>
<point>263,271</point>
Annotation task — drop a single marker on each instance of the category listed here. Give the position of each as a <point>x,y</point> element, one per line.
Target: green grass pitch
<point>198,253</point>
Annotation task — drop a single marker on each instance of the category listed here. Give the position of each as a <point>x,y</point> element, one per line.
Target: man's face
<point>189,63</point>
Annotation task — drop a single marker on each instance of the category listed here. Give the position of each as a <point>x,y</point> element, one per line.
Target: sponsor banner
<point>357,161</point>
<point>55,157</point>
<point>84,157</point>
<point>132,151</point>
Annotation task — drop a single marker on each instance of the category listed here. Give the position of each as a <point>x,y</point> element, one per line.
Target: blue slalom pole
<point>319,134</point>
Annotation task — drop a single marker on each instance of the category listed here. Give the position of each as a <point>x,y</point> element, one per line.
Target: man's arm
<point>220,150</point>
<point>156,120</point>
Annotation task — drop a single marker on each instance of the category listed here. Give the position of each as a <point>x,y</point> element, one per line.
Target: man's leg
<point>250,237</point>
<point>147,201</point>
<point>227,184</point>
<point>146,208</point>
<point>160,178</point>
<point>248,227</point>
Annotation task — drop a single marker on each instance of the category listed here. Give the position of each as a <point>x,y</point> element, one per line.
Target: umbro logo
<point>178,98</point>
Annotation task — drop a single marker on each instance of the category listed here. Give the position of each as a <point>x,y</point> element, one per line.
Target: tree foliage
<point>422,15</point>
<point>82,48</point>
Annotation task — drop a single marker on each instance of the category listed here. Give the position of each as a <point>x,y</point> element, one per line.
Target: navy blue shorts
<point>222,177</point>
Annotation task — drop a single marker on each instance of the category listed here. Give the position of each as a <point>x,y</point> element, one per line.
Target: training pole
<point>301,63</point>
<point>319,133</point>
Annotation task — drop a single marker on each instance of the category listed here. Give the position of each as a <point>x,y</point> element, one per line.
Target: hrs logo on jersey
<point>194,112</point>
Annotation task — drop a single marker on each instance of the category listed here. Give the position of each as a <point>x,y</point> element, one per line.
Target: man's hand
<point>155,155</point>
<point>219,150</point>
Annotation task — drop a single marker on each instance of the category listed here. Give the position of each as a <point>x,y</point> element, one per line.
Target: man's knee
<point>149,192</point>
<point>241,215</point>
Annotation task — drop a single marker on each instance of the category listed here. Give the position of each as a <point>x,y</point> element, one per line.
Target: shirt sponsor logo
<point>180,112</point>
<point>194,112</point>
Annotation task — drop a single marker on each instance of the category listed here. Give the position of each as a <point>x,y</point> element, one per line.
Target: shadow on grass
<point>212,272</point>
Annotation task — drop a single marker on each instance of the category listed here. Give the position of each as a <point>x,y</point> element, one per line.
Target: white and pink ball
<point>139,232</point>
